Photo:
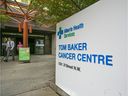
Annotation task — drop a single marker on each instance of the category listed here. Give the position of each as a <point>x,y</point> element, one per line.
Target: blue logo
<point>70,31</point>
<point>60,33</point>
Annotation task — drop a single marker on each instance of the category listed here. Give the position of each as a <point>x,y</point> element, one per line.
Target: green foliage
<point>53,11</point>
<point>25,1</point>
<point>4,18</point>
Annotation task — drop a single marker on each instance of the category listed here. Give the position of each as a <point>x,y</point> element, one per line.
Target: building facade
<point>40,40</point>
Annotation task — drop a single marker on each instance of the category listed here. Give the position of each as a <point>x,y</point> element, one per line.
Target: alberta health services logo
<point>69,32</point>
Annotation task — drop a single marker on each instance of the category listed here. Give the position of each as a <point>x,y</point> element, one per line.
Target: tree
<point>50,12</point>
<point>53,11</point>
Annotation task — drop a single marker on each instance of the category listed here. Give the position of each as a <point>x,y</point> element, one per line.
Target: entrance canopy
<point>45,12</point>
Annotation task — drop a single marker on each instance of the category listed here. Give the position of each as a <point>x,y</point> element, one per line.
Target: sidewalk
<point>19,78</point>
<point>47,91</point>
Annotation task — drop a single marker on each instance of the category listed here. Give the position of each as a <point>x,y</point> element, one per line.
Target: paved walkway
<point>40,92</point>
<point>28,79</point>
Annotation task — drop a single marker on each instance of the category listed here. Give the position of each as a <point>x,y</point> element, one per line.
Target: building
<point>40,40</point>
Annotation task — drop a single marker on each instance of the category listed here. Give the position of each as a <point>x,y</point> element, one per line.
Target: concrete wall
<point>53,44</point>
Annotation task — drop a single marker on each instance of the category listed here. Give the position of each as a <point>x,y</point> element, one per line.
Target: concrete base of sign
<point>57,89</point>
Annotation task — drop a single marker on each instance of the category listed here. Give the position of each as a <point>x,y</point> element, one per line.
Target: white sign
<point>91,51</point>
